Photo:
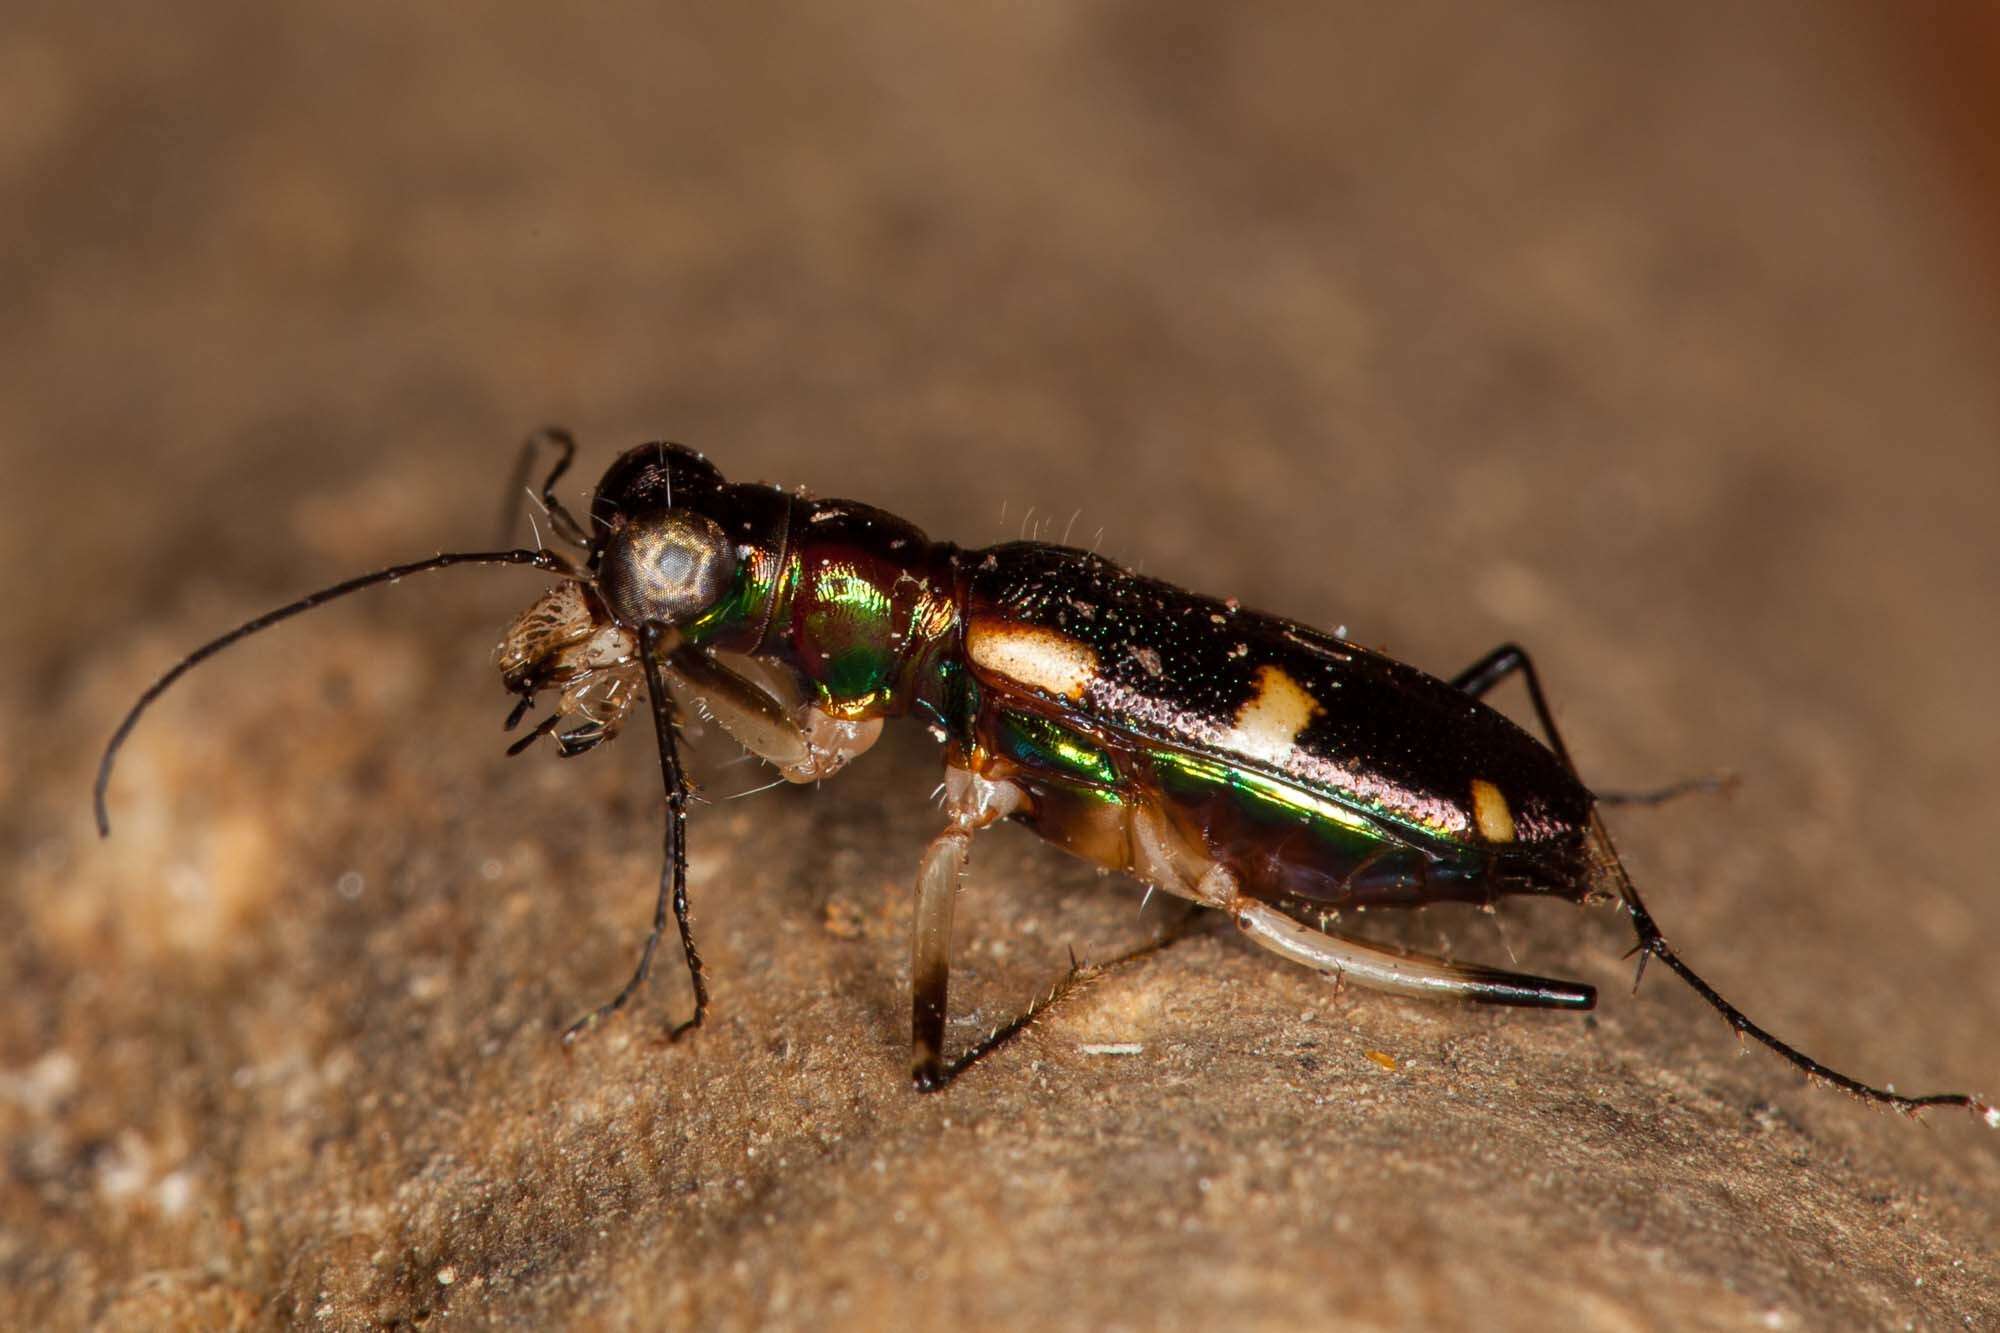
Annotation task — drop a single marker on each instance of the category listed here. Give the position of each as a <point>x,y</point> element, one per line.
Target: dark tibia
<point>1723,783</point>
<point>541,729</point>
<point>1503,661</point>
<point>1509,658</point>
<point>569,744</point>
<point>517,712</point>
<point>565,525</point>
<point>673,868</point>
<point>1654,945</point>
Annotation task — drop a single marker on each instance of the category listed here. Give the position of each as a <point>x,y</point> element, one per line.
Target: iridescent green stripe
<point>1030,739</point>
<point>1262,794</point>
<point>747,603</point>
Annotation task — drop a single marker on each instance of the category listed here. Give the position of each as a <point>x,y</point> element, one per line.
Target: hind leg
<point>1502,662</point>
<point>1509,659</point>
<point>1402,974</point>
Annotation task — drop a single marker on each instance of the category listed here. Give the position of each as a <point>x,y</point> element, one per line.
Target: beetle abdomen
<point>1318,769</point>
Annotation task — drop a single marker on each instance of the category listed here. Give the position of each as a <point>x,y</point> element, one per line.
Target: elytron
<point>1247,763</point>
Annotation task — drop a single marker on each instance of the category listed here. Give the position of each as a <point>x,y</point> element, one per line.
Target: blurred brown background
<point>1657,337</point>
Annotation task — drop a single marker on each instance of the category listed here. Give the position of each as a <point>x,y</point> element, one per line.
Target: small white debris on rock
<point>42,1086</point>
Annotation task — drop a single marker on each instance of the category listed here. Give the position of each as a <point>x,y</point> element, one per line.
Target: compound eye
<point>666,570</point>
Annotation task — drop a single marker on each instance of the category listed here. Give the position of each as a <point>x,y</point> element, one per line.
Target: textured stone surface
<point>1640,338</point>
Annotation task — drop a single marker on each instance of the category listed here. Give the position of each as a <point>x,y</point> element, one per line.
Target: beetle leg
<point>560,518</point>
<point>801,742</point>
<point>1652,944</point>
<point>972,802</point>
<point>1501,663</point>
<point>1714,782</point>
<point>1510,658</point>
<point>1080,974</point>
<point>673,867</point>
<point>1402,974</point>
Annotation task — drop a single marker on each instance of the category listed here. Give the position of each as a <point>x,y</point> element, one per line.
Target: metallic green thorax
<point>858,602</point>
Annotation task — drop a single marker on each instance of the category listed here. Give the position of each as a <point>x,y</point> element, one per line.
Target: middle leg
<point>973,803</point>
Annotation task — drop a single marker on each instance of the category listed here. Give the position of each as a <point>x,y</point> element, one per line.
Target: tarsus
<point>1652,944</point>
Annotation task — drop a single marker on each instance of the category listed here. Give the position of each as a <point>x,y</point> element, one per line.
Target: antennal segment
<point>545,560</point>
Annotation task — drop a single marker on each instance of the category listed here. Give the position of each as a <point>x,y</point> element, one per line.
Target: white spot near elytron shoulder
<point>1267,726</point>
<point>1033,655</point>
<point>1490,812</point>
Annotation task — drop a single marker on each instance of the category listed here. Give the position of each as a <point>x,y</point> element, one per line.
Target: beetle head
<point>659,554</point>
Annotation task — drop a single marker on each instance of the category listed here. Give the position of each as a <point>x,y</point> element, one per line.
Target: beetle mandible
<point>1247,763</point>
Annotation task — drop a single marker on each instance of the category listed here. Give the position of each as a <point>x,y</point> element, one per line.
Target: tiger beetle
<point>1247,763</point>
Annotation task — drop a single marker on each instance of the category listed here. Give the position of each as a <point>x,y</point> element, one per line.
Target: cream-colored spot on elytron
<point>1268,724</point>
<point>1033,655</point>
<point>1490,812</point>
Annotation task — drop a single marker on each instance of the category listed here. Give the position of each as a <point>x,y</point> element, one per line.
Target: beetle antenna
<point>1652,944</point>
<point>546,560</point>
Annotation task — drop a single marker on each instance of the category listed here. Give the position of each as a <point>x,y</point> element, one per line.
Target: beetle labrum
<point>1247,763</point>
